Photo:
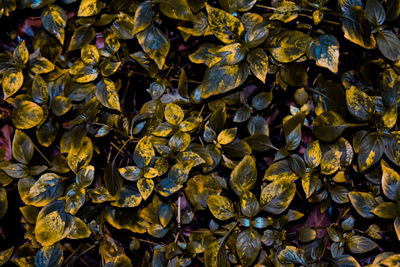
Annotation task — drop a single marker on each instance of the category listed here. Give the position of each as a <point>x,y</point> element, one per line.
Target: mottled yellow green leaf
<point>173,114</point>
<point>145,187</point>
<point>227,136</point>
<point>107,94</point>
<point>144,152</point>
<point>89,8</point>
<point>258,63</point>
<point>12,82</point>
<point>22,147</point>
<point>90,54</point>
<point>325,51</point>
<point>277,196</point>
<point>154,43</point>
<point>285,12</point>
<point>79,229</point>
<point>54,20</point>
<point>221,207</point>
<point>21,54</point>
<point>27,115</point>
<point>225,26</point>
<point>289,46</point>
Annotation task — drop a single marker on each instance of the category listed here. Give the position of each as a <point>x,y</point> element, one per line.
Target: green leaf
<point>82,36</point>
<point>22,147</point>
<point>276,196</point>
<point>285,12</point>
<point>127,197</point>
<point>328,126</point>
<point>54,20</point>
<point>199,188</point>
<point>3,204</point>
<point>165,214</point>
<point>306,234</point>
<point>279,170</point>
<point>325,51</point>
<point>41,65</point>
<point>359,104</point>
<point>46,189</point>
<point>375,12</point>
<point>145,187</point>
<point>346,261</point>
<point>80,158</point>
<point>359,244</point>
<point>61,105</point>
<point>355,24</point>
<point>371,150</point>
<point>173,114</point>
<point>292,255</point>
<point>75,197</point>
<point>50,256</point>
<point>40,91</point>
<point>215,254</point>
<point>21,54</point>
<point>363,203</point>
<point>143,17</point>
<point>154,43</point>
<point>223,78</point>
<point>89,8</point>
<point>51,224</point>
<point>85,176</point>
<point>393,8</point>
<point>243,176</point>
<point>330,162</point>
<point>258,63</point>
<point>27,115</point>
<point>12,82</point>
<point>248,244</point>
<point>289,46</point>
<point>5,255</point>
<point>390,182</point>
<point>249,204</point>
<point>106,93</point>
<point>386,210</point>
<point>176,9</point>
<point>225,26</point>
<point>389,44</point>
<point>79,229</point>
<point>257,34</point>
<point>221,207</point>
<point>15,170</point>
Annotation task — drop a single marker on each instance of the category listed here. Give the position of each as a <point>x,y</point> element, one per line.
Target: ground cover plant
<point>199,133</point>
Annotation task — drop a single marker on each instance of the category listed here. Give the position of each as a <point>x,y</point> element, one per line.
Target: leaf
<point>143,17</point>
<point>393,8</point>
<point>226,136</point>
<point>165,214</point>
<point>243,176</point>
<point>221,207</point>
<point>131,173</point>
<point>371,151</point>
<point>90,55</point>
<point>386,210</point>
<point>154,43</point>
<point>215,254</point>
<point>359,244</point>
<point>346,261</point>
<point>285,12</point>
<point>257,34</point>
<point>355,24</point>
<point>82,36</point>
<point>123,26</point>
<point>176,9</point>
<point>313,154</point>
<point>328,126</point>
<point>61,105</point>
<point>145,187</point>
<point>375,12</point>
<point>363,203</point>
<point>258,63</point>
<point>292,255</point>
<point>144,152</point>
<point>223,78</point>
<point>389,44</point>
<point>89,8</point>
<point>50,256</point>
<point>40,91</point>
<point>107,95</point>
<point>3,205</point>
<point>225,26</point>
<point>21,54</point>
<point>249,204</point>
<point>15,170</point>
<point>199,188</point>
<point>306,234</point>
<point>248,244</point>
<point>289,46</point>
<point>51,224</point>
<point>127,197</point>
<point>85,176</point>
<point>359,104</point>
<point>22,147</point>
<point>330,162</point>
<point>276,196</point>
<point>173,114</point>
<point>5,255</point>
<point>390,182</point>
<point>229,54</point>
<point>41,65</point>
<point>79,229</point>
<point>74,198</point>
<point>47,188</point>
<point>279,170</point>
<point>397,227</point>
<point>12,82</point>
<point>54,19</point>
<point>325,51</point>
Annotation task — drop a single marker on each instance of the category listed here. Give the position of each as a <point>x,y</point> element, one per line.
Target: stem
<point>179,211</point>
<point>40,152</point>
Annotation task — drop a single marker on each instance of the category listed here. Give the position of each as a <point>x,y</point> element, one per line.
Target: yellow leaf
<point>89,8</point>
<point>90,54</point>
<point>27,115</point>
<point>12,82</point>
<point>173,114</point>
<point>145,187</point>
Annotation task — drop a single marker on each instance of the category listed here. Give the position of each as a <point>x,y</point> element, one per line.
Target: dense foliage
<point>186,133</point>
